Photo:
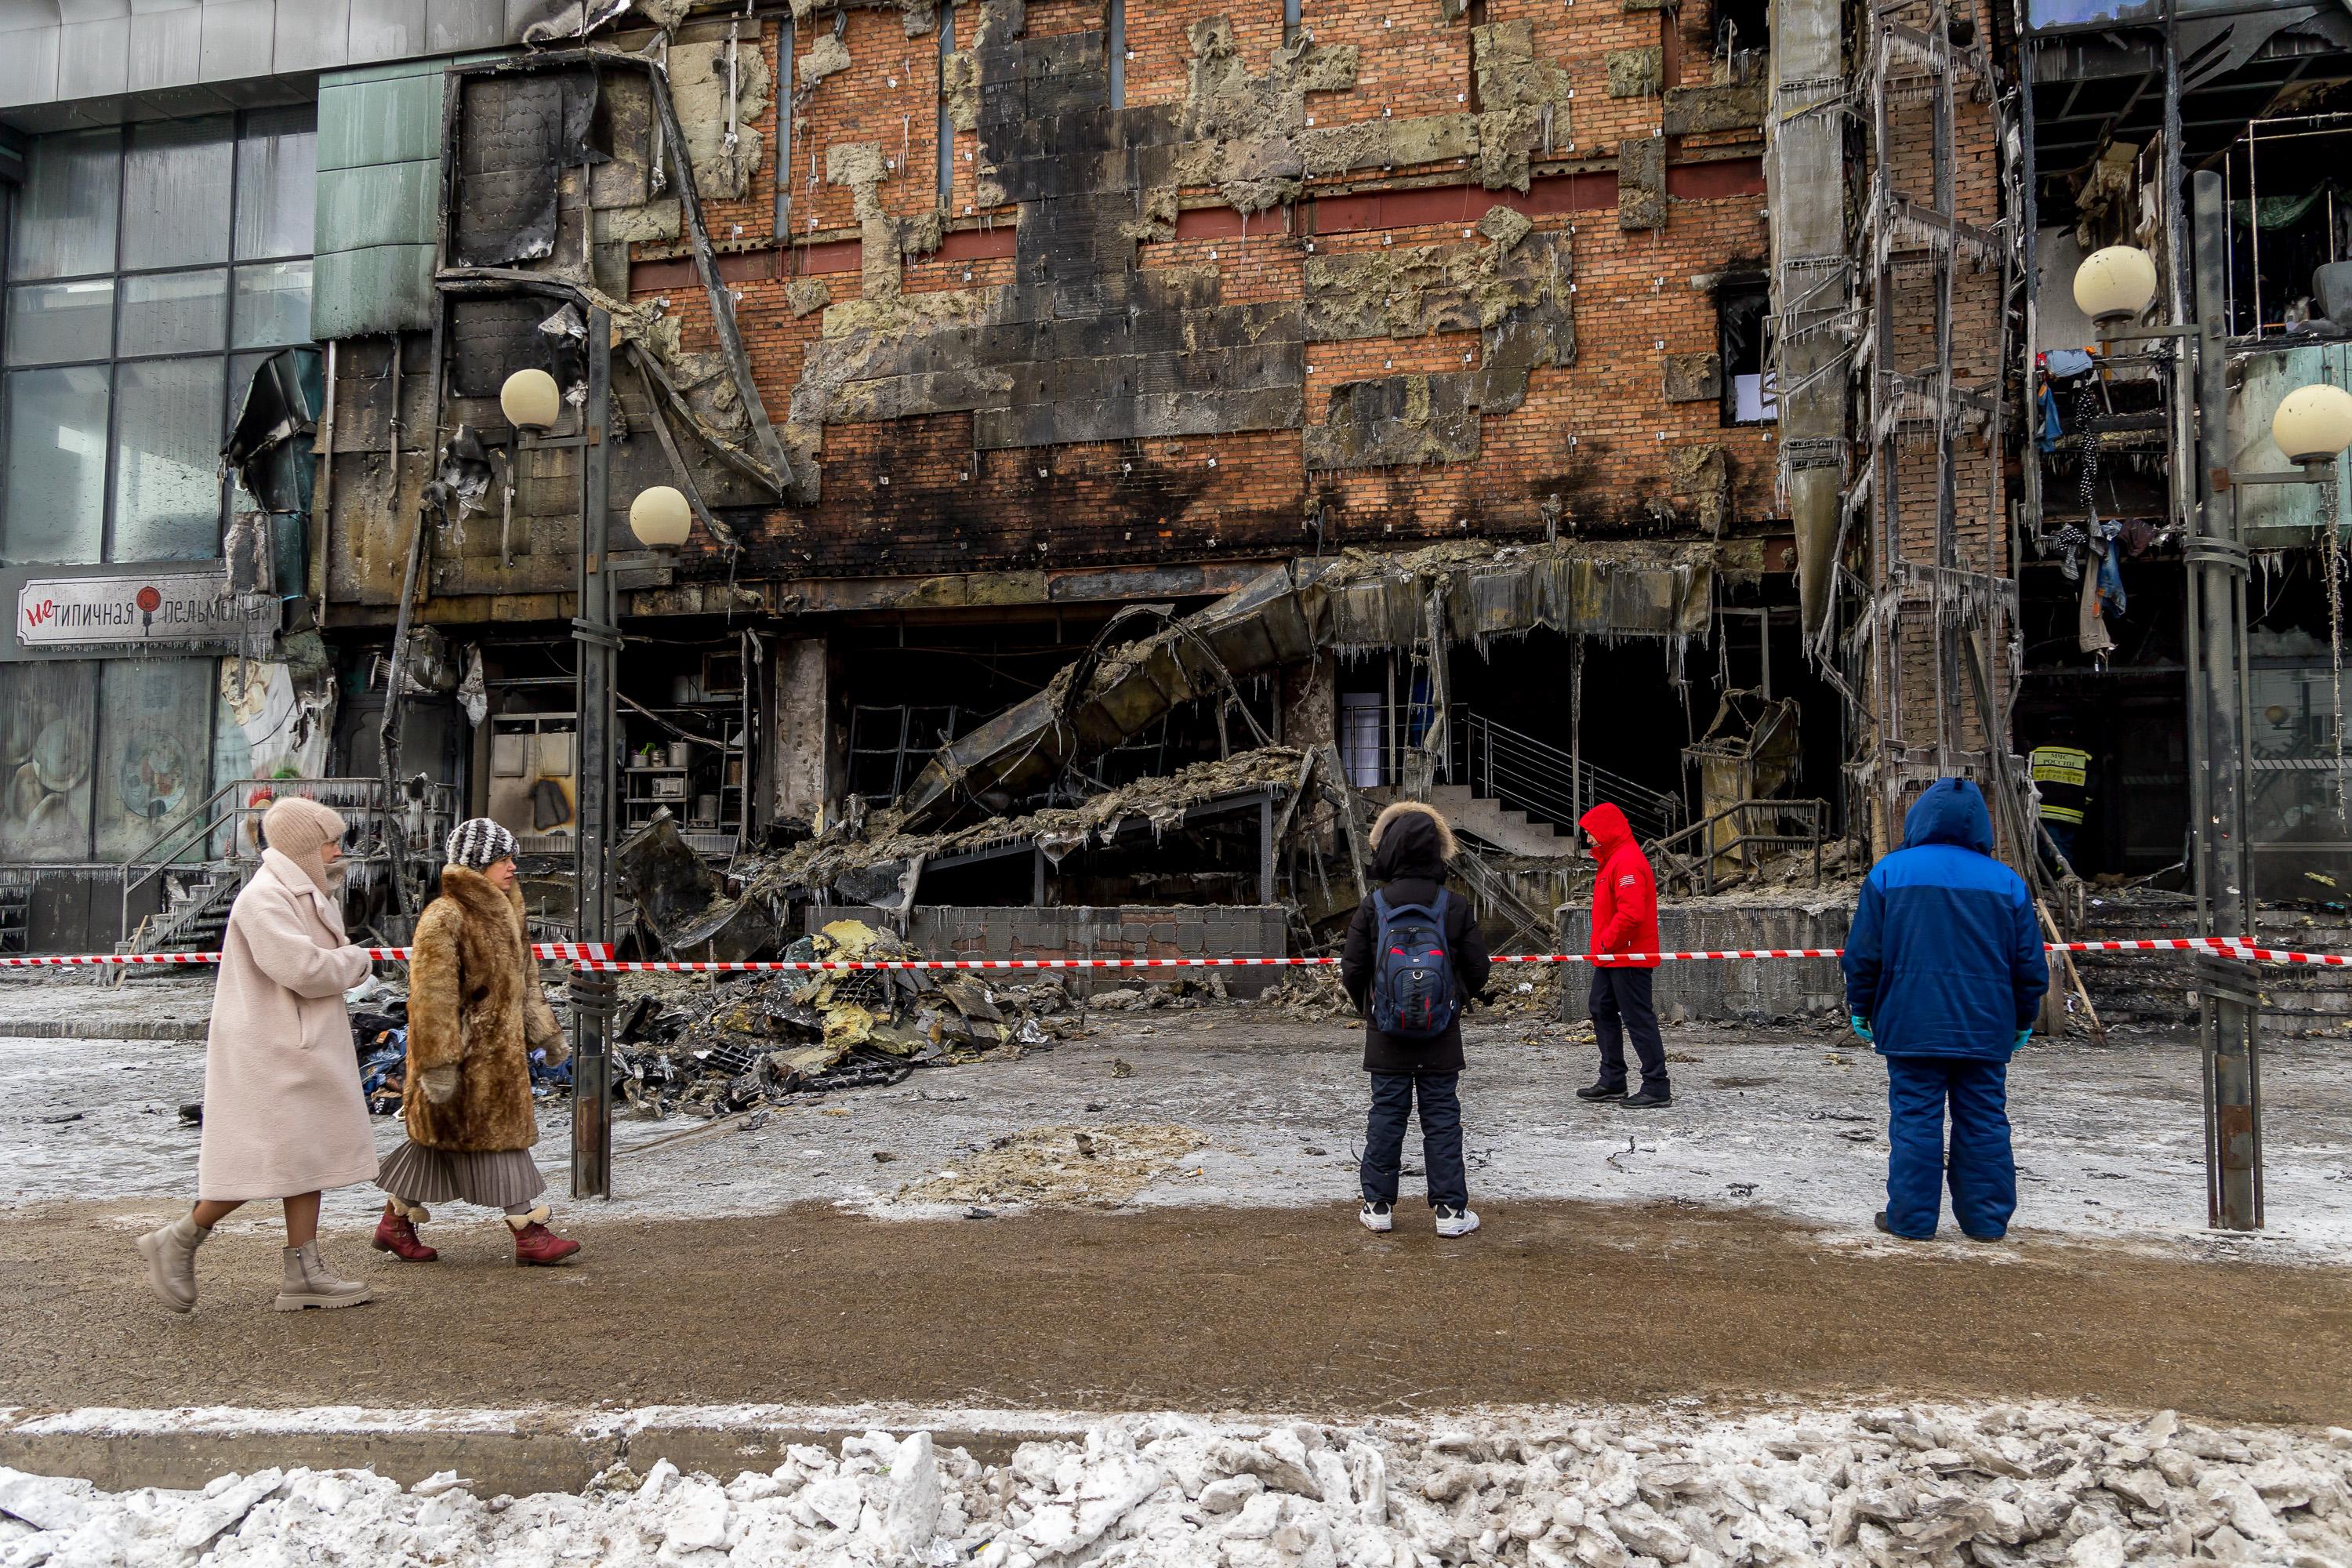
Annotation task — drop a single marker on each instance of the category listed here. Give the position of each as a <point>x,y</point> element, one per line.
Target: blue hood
<point>1952,811</point>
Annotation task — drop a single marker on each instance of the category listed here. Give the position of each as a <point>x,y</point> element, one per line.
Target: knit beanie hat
<point>477,844</point>
<point>298,829</point>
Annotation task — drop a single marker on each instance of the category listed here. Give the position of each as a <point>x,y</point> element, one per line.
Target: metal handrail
<point>1702,873</point>
<point>207,818</point>
<point>1535,776</point>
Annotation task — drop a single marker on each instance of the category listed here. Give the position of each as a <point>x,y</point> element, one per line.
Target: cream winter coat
<point>283,1111</point>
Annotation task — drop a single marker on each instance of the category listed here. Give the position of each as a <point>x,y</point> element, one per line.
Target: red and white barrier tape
<point>597,957</point>
<point>2229,947</point>
<point>569,952</point>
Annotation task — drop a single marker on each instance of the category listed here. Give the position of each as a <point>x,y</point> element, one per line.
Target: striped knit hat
<point>478,844</point>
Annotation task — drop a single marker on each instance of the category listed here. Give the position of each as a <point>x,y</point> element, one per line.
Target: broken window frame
<point>1741,292</point>
<point>246,133</point>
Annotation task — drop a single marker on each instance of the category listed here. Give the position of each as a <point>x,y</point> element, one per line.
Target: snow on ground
<point>2109,1140</point>
<point>1998,1486</point>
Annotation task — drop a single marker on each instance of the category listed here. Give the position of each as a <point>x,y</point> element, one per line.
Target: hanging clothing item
<point>2047,402</point>
<point>2066,541</point>
<point>2090,630</point>
<point>2086,409</point>
<point>2112,599</point>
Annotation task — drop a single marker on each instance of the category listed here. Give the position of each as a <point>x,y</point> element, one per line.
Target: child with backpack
<point>1412,962</point>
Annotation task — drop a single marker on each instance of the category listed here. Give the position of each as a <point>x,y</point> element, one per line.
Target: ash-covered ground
<point>1241,1104</point>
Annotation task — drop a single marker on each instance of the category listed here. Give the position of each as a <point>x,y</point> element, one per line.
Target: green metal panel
<point>383,288</point>
<point>384,204</point>
<point>387,121</point>
<point>2274,516</point>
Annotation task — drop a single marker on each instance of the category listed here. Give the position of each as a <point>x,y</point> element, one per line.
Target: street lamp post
<point>661,517</point>
<point>532,401</point>
<point>2313,426</point>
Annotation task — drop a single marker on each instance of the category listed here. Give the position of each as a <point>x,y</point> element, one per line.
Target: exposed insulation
<point>1693,378</point>
<point>825,56</point>
<point>1642,183</point>
<point>697,84</point>
<point>1636,73</point>
<point>1395,420</point>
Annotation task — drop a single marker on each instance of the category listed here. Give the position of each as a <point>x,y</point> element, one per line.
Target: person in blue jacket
<point>1944,973</point>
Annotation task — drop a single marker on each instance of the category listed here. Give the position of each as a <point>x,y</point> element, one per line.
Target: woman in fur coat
<point>283,1113</point>
<point>474,1014</point>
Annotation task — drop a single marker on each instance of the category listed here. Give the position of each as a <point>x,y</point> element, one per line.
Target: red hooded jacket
<point>1624,894</point>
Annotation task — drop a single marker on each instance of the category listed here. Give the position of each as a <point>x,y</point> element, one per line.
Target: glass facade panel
<point>65,213</point>
<point>47,714</point>
<point>167,437</point>
<point>57,465</point>
<point>124,297</point>
<point>273,305</point>
<point>154,719</point>
<point>51,323</point>
<point>175,194</point>
<point>173,313</point>
<point>277,183</point>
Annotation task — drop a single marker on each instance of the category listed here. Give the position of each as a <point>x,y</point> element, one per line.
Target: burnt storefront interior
<point>1118,451</point>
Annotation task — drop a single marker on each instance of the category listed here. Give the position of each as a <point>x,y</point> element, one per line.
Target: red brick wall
<point>1595,434</point>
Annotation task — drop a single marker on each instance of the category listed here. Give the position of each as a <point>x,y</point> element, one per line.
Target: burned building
<point>903,424</point>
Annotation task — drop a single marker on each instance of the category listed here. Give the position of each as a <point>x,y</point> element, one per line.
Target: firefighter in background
<point>2062,773</point>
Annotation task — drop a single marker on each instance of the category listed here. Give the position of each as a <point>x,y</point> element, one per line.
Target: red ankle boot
<point>537,1244</point>
<point>397,1233</point>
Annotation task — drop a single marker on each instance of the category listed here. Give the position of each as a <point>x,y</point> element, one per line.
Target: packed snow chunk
<point>2049,1485</point>
<point>223,1504</point>
<point>45,1502</point>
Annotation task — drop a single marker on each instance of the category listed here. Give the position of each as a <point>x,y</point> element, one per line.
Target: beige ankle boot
<point>309,1282</point>
<point>171,1255</point>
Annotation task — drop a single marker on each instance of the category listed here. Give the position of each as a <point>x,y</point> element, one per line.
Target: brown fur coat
<point>474,1002</point>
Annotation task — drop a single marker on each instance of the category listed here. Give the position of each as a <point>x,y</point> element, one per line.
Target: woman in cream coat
<point>284,1117</point>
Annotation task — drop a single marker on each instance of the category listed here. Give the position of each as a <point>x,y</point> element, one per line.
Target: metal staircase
<point>203,857</point>
<point>1533,791</point>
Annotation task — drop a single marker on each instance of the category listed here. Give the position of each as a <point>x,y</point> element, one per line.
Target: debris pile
<point>762,1038</point>
<point>1103,1166</point>
<point>2005,1484</point>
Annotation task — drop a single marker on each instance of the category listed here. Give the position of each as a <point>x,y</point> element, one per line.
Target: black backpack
<point>1413,994</point>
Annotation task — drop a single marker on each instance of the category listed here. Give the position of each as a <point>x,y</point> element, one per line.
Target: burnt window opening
<point>1743,34</point>
<point>2290,219</point>
<point>1742,304</point>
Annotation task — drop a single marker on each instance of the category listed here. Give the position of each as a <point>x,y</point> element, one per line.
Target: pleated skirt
<point>503,1179</point>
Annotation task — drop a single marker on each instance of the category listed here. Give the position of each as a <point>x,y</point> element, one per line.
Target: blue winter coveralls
<point>1944,963</point>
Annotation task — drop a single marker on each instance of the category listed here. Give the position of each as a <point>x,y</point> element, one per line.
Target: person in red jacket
<point>1624,920</point>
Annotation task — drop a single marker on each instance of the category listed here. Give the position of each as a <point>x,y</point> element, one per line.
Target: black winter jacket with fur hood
<point>1410,846</point>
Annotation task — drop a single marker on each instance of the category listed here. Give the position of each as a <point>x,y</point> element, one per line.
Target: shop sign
<point>188,607</point>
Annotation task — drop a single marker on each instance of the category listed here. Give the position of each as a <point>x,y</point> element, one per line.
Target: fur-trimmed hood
<point>1412,839</point>
<point>474,1002</point>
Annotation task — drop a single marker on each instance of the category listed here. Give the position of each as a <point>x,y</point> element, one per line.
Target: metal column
<point>597,640</point>
<point>2228,1008</point>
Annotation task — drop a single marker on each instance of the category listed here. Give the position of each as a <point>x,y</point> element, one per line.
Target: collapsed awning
<point>1359,600</point>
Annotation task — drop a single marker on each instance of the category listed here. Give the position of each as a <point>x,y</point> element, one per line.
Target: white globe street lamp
<point>2114,284</point>
<point>660,518</point>
<point>2312,424</point>
<point>530,400</point>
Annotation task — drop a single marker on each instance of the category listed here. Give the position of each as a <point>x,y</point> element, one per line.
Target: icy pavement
<point>1927,1483</point>
<point>2109,1140</point>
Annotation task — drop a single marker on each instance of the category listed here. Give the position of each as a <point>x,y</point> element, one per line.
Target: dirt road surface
<point>1206,1310</point>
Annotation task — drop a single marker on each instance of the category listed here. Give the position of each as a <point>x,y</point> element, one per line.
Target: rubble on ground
<point>2002,1484</point>
<point>760,1039</point>
<point>1102,1166</point>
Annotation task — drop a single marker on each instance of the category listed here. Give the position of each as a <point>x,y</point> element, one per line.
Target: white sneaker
<point>1456,1222</point>
<point>1377,1216</point>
